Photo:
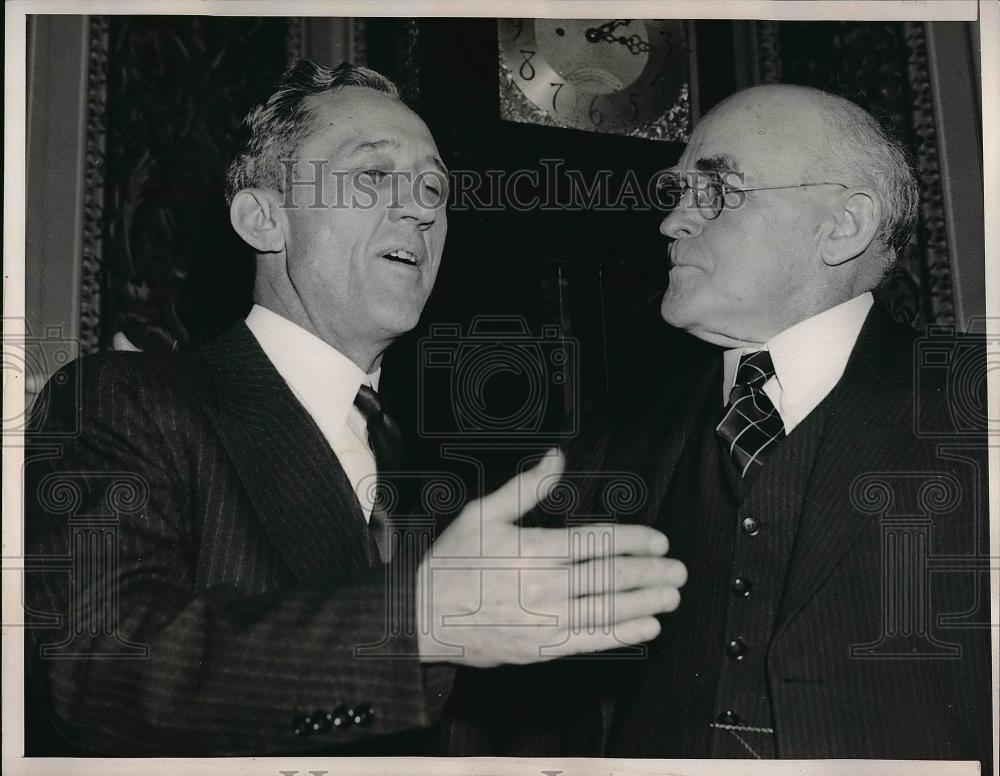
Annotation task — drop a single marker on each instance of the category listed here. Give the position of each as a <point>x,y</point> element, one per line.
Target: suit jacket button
<point>301,725</point>
<point>741,586</point>
<point>750,526</point>
<point>340,717</point>
<point>320,721</point>
<point>729,717</point>
<point>736,648</point>
<point>362,715</point>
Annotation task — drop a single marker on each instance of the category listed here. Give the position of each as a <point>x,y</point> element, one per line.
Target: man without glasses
<point>252,599</point>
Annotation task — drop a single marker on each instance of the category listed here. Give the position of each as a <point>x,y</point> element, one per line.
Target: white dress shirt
<point>809,359</point>
<point>325,381</point>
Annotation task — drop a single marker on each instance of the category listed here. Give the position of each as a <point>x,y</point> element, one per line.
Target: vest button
<point>750,526</point>
<point>729,717</point>
<point>736,648</point>
<point>741,586</point>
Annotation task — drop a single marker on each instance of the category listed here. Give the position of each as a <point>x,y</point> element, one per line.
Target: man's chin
<point>400,319</point>
<point>676,311</point>
<point>686,317</point>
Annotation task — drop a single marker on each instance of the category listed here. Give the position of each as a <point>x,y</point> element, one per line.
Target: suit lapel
<point>295,481</point>
<point>649,442</point>
<point>857,437</point>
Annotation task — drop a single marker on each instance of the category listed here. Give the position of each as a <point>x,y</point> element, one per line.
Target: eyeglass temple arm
<point>790,186</point>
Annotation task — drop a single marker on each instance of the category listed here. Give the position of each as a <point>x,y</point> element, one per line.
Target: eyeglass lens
<point>706,189</point>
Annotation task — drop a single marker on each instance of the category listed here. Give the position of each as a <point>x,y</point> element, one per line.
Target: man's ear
<point>256,217</point>
<point>853,228</point>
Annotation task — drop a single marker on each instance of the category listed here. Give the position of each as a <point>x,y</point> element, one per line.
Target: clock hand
<point>635,43</point>
<point>605,32</point>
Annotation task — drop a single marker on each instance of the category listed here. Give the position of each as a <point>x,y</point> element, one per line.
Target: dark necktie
<point>751,423</point>
<point>387,444</point>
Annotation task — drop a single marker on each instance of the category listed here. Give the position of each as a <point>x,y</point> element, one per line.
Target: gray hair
<point>864,151</point>
<point>274,129</point>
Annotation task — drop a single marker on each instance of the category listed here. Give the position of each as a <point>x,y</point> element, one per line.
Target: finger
<point>602,540</point>
<point>522,493</point>
<point>623,634</point>
<point>605,575</point>
<point>600,611</point>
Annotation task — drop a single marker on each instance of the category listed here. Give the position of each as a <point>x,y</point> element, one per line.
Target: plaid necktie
<point>751,423</point>
<point>387,444</point>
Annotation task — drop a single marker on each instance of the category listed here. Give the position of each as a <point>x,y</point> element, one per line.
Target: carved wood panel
<point>882,66</point>
<point>174,272</point>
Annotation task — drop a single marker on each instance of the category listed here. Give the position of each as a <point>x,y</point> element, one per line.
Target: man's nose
<point>409,203</point>
<point>685,220</point>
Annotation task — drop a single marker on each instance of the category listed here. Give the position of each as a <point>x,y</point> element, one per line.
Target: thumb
<point>522,493</point>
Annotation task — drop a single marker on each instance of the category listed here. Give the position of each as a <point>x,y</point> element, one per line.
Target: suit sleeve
<point>138,661</point>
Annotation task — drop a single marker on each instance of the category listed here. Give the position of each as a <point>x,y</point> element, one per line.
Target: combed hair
<point>273,130</point>
<point>869,154</point>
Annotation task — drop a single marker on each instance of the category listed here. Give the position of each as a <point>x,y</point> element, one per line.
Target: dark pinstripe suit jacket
<point>239,585</point>
<point>867,467</point>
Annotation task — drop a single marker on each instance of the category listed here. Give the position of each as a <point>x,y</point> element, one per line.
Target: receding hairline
<point>276,127</point>
<point>789,92</point>
<point>825,115</point>
<point>376,141</point>
<point>311,102</point>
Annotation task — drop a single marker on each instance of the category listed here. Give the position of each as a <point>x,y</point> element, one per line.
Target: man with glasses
<point>788,470</point>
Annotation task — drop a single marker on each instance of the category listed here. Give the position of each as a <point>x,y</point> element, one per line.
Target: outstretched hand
<point>494,593</point>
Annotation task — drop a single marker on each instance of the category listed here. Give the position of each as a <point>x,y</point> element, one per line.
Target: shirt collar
<point>809,358</point>
<point>322,378</point>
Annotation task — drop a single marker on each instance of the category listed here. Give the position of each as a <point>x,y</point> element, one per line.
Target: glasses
<point>710,193</point>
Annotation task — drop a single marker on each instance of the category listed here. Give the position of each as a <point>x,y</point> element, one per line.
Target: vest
<point>704,682</point>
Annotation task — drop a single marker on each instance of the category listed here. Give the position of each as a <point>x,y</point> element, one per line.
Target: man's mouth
<point>673,260</point>
<point>402,256</point>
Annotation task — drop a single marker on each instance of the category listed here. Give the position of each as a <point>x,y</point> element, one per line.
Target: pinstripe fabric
<point>245,573</point>
<point>774,498</point>
<point>571,702</point>
<point>825,701</point>
<point>698,511</point>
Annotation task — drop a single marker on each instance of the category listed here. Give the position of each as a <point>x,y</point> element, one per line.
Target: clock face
<point>600,75</point>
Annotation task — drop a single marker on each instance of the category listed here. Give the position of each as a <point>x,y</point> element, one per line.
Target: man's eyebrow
<point>717,163</point>
<point>373,145</point>
<point>440,165</point>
